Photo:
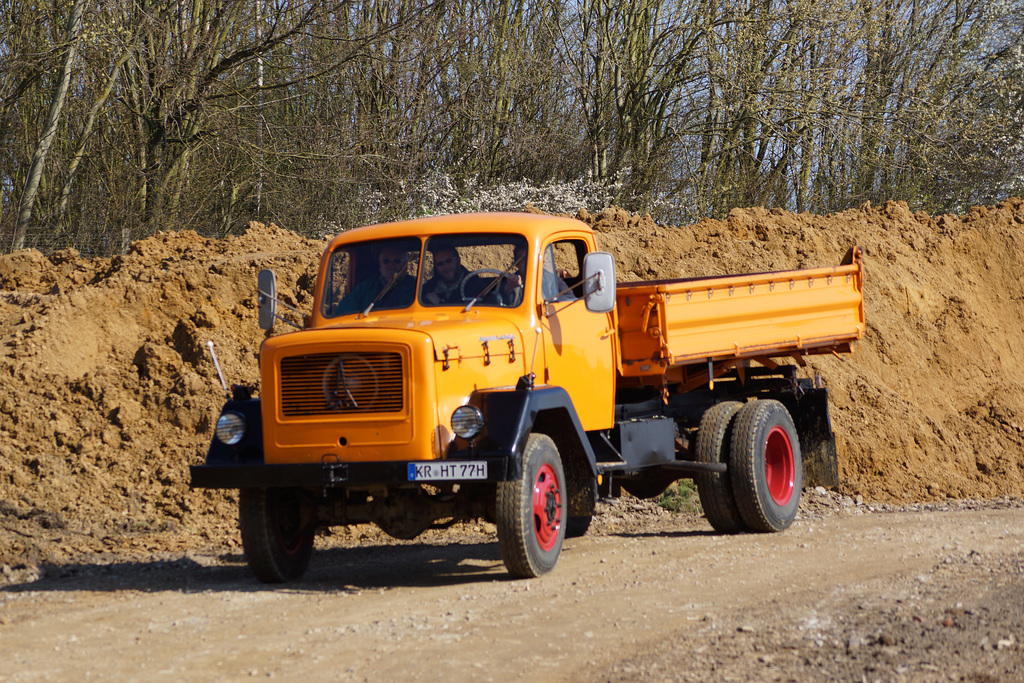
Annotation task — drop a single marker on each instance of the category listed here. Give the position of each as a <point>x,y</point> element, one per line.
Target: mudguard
<point>817,441</point>
<point>510,415</point>
<point>250,448</point>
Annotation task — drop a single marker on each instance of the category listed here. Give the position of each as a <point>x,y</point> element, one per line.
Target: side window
<point>562,267</point>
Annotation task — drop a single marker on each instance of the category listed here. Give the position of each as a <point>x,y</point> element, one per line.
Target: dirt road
<point>932,593</point>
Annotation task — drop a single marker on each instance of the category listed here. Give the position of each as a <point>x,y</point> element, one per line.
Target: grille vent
<point>341,383</point>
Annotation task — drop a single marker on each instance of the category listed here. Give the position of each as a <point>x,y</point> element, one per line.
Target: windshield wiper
<point>387,288</point>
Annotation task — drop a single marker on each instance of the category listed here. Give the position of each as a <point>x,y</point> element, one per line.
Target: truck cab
<point>433,349</point>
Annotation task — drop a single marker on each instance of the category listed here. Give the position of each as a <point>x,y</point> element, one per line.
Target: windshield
<point>473,269</point>
<point>371,276</point>
<point>456,270</point>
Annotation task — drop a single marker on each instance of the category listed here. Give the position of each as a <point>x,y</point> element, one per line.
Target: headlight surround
<point>467,421</point>
<point>230,428</point>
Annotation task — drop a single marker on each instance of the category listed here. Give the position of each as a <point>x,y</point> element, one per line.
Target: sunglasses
<point>392,260</point>
<point>446,261</point>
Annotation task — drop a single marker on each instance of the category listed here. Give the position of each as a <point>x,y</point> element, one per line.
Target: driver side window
<point>561,278</point>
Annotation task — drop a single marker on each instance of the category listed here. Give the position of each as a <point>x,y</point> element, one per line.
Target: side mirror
<point>266,285</point>
<point>599,282</point>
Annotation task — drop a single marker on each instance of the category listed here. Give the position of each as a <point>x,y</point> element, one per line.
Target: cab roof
<point>531,225</point>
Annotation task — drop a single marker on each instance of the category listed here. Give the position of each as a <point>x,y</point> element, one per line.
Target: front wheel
<point>277,532</point>
<point>765,466</point>
<point>531,511</point>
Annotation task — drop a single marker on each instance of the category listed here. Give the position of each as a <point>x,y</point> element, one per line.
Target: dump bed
<point>665,323</point>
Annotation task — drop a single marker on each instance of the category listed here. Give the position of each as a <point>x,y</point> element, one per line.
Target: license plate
<point>446,471</point>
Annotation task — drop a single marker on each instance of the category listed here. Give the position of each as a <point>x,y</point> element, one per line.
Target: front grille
<point>341,383</point>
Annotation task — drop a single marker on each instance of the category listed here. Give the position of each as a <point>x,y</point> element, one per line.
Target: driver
<point>444,287</point>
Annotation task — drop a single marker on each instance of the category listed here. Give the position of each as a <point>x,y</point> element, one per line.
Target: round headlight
<point>467,421</point>
<point>230,428</point>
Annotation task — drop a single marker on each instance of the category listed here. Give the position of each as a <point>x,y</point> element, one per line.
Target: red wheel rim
<point>779,470</point>
<point>547,507</point>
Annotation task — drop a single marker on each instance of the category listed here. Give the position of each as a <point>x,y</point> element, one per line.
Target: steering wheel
<point>488,271</point>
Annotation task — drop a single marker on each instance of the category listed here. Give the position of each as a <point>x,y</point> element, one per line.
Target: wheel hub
<point>547,507</point>
<point>780,471</point>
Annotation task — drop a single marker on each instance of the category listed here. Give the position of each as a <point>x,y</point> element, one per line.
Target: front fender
<point>250,449</point>
<point>510,415</point>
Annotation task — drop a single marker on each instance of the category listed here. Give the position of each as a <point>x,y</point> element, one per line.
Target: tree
<point>319,116</point>
<point>35,171</point>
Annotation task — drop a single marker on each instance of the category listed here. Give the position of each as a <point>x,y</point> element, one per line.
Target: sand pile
<point>931,405</point>
<point>107,391</point>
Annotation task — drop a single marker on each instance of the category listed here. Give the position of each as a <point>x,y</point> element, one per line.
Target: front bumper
<point>339,474</point>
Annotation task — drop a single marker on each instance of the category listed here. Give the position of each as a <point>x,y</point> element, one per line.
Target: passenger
<point>400,290</point>
<point>445,287</point>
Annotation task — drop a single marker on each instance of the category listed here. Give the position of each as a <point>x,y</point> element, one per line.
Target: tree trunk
<point>35,172</point>
<point>90,121</point>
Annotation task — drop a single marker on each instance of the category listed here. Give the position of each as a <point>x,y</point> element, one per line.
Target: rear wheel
<point>277,532</point>
<point>531,511</point>
<point>765,466</point>
<point>715,488</point>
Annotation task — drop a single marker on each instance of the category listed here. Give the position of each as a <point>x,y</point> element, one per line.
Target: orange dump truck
<point>489,366</point>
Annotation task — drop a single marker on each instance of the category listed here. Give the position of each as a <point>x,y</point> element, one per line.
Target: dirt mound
<point>108,392</point>
<point>931,404</point>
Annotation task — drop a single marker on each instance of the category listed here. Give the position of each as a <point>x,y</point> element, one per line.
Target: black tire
<point>715,489</point>
<point>277,533</point>
<point>765,466</point>
<point>531,511</point>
